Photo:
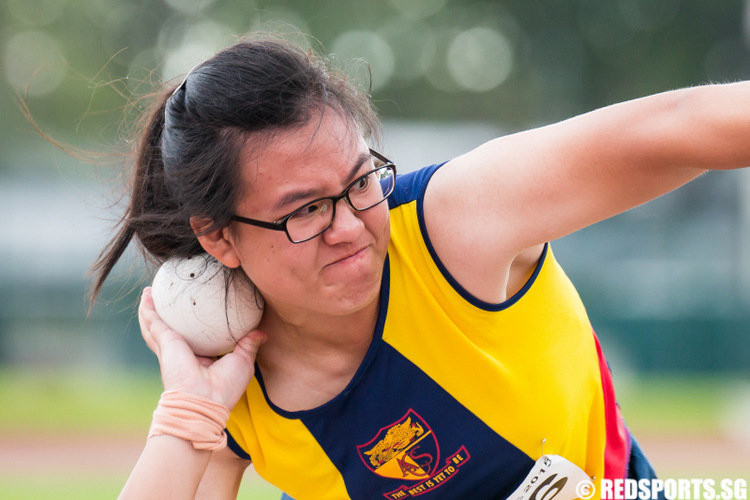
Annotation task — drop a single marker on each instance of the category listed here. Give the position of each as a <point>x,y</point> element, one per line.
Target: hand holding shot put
<point>188,424</point>
<point>222,380</point>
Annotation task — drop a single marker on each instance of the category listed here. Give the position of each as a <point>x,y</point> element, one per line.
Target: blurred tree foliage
<point>80,62</point>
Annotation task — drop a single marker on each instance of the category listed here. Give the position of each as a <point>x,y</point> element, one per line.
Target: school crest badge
<point>408,450</point>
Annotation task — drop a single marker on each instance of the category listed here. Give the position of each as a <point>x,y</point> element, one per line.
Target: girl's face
<point>335,273</point>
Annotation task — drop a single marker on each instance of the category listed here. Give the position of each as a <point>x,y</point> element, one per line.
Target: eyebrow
<point>310,194</point>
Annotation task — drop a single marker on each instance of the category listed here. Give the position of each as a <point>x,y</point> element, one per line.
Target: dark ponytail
<point>186,162</point>
<point>149,201</point>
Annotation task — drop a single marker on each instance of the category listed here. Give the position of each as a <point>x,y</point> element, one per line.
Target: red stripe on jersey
<point>617,448</point>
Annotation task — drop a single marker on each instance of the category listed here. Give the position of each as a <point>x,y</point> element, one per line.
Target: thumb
<point>237,368</point>
<point>248,346</point>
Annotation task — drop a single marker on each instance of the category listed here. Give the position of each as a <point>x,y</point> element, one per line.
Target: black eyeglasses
<point>314,218</point>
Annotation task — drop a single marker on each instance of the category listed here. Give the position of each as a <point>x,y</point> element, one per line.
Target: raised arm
<point>172,466</point>
<point>518,191</point>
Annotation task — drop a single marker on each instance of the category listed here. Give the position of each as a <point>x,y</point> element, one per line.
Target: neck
<point>309,336</point>
<point>308,363</point>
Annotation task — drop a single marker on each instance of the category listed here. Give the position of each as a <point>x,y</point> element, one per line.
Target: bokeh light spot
<point>36,12</point>
<point>370,47</point>
<point>414,39</point>
<point>480,59</point>
<point>34,61</point>
<point>198,42</point>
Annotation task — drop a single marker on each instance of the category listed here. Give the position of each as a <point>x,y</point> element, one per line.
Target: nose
<point>346,225</point>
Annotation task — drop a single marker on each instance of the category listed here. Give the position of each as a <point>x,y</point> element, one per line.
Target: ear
<point>218,243</point>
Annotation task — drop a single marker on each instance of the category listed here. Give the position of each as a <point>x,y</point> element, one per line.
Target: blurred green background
<point>667,285</point>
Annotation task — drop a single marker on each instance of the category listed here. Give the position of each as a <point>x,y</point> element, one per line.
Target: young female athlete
<point>419,338</point>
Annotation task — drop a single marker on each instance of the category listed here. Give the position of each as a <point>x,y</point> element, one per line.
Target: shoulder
<point>411,186</point>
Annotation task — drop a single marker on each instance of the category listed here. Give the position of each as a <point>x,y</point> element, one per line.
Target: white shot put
<point>192,297</point>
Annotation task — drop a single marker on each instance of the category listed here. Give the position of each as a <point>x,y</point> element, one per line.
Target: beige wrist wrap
<point>192,418</point>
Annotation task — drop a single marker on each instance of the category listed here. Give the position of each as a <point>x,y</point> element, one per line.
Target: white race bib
<point>554,477</point>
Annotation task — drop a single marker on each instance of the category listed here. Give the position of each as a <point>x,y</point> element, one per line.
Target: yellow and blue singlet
<point>455,396</point>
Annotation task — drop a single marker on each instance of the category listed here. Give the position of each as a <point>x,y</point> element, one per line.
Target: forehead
<point>326,135</point>
<point>314,155</point>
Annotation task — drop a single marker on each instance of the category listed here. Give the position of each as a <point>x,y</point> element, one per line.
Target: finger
<point>146,315</point>
<point>237,368</point>
<point>155,331</point>
<point>249,345</point>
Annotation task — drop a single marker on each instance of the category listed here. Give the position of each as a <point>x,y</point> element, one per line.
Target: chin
<point>354,294</point>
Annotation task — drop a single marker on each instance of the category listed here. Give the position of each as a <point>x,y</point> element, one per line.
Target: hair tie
<point>182,83</point>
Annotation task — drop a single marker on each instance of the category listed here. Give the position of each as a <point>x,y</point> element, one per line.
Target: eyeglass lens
<point>365,192</point>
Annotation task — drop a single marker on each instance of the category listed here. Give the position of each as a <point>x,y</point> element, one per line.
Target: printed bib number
<point>554,477</point>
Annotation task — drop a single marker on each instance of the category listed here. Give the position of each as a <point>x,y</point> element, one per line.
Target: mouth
<point>351,257</point>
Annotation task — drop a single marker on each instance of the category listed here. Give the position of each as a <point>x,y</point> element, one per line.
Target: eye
<point>362,183</point>
<point>311,210</point>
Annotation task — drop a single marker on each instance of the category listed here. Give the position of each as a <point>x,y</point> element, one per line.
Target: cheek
<point>381,224</point>
<point>275,265</point>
